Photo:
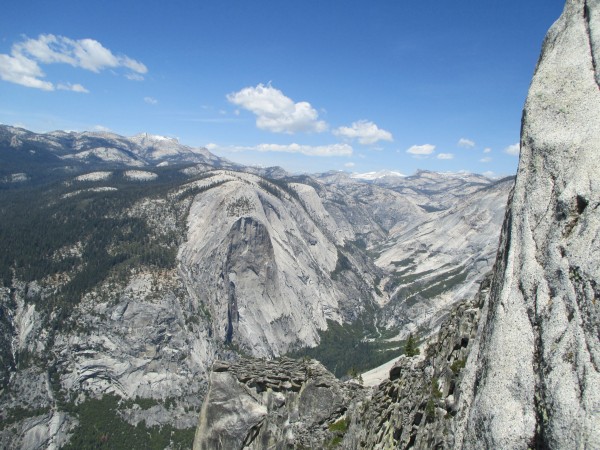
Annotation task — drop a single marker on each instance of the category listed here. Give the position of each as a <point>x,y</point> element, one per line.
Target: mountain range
<point>155,295</point>
<point>138,261</point>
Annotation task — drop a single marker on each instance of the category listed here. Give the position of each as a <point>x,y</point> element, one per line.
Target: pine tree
<point>411,349</point>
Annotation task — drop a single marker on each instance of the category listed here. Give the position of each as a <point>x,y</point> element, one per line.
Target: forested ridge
<point>69,228</point>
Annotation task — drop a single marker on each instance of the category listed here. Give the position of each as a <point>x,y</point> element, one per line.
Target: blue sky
<point>308,85</point>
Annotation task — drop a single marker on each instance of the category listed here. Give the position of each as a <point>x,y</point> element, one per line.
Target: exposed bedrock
<point>535,372</point>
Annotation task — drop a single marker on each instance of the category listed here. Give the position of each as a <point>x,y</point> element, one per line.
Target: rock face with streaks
<point>534,378</point>
<point>268,285</point>
<point>441,258</point>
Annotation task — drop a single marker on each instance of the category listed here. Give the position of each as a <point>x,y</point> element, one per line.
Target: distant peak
<point>377,175</point>
<point>155,138</point>
<point>462,174</point>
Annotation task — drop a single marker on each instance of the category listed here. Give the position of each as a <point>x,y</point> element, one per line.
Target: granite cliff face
<point>535,372</point>
<point>433,261</point>
<point>261,264</point>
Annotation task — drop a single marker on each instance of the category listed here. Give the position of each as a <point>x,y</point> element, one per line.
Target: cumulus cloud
<point>487,159</point>
<point>445,156</point>
<point>277,113</point>
<point>22,65</point>
<point>309,150</point>
<point>23,71</point>
<point>465,143</point>
<point>420,151</point>
<point>487,150</point>
<point>87,54</point>
<point>150,100</point>
<point>365,131</point>
<point>513,149</point>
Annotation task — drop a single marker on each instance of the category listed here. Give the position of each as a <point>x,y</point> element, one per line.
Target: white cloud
<point>487,159</point>
<point>150,100</point>
<point>309,150</point>
<point>465,143</point>
<point>133,65</point>
<point>101,128</point>
<point>445,156</point>
<point>489,174</point>
<point>22,65</point>
<point>87,54</point>
<point>23,71</point>
<point>72,87</point>
<point>487,150</point>
<point>91,55</point>
<point>349,165</point>
<point>421,150</point>
<point>513,149</point>
<point>365,131</point>
<point>277,113</point>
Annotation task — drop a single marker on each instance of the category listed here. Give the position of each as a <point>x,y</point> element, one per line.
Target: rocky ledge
<point>277,404</point>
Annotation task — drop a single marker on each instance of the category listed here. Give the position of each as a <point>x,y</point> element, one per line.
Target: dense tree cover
<point>88,235</point>
<point>352,348</point>
<point>101,427</point>
<point>278,188</point>
<point>40,165</point>
<point>13,415</point>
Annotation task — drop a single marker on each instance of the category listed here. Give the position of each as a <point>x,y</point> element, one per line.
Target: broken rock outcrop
<point>280,404</point>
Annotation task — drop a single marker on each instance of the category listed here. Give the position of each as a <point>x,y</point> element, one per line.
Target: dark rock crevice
<point>587,13</point>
